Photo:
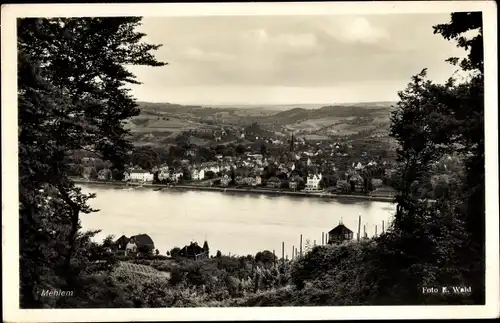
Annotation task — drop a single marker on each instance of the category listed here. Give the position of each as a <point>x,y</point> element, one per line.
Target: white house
<point>198,175</point>
<point>138,175</point>
<point>163,173</point>
<point>131,246</point>
<point>214,169</point>
<point>195,174</point>
<point>175,176</point>
<point>312,183</point>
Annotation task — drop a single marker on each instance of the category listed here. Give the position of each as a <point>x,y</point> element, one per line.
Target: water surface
<point>234,223</point>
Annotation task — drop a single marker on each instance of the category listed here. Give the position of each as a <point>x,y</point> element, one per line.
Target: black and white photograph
<point>240,158</point>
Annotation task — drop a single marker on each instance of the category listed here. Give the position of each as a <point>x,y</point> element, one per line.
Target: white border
<point>10,232</point>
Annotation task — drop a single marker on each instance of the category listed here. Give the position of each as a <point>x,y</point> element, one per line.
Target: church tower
<point>205,248</point>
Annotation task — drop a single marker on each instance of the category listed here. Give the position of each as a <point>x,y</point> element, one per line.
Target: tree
<point>209,174</point>
<point>266,257</point>
<point>233,176</point>
<point>263,149</point>
<point>71,73</point>
<point>429,121</point>
<point>186,174</point>
<point>240,149</point>
<point>175,252</point>
<point>282,175</point>
<point>109,241</point>
<point>144,249</point>
<point>468,129</point>
<point>145,157</point>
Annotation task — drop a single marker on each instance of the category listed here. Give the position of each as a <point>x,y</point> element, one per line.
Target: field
<point>160,123</point>
<point>130,269</point>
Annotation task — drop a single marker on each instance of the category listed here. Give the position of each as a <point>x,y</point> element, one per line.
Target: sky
<point>290,59</point>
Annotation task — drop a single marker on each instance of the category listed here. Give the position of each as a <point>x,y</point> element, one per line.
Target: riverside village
<point>249,160</point>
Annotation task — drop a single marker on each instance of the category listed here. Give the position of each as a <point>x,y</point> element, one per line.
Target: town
<point>296,164</point>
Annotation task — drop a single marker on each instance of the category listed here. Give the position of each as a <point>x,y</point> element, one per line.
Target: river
<point>235,223</point>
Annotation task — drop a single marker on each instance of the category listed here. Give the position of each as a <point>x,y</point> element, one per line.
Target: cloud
<point>296,40</point>
<point>291,51</point>
<point>199,55</point>
<point>259,35</point>
<point>358,30</point>
<point>281,39</point>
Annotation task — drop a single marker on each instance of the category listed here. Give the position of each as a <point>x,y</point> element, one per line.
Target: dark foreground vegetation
<point>65,108</point>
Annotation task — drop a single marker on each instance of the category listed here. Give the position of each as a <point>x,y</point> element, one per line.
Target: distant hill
<point>328,113</point>
<point>282,107</point>
<point>161,122</point>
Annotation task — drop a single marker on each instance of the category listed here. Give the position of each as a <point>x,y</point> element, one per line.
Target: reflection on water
<point>231,222</point>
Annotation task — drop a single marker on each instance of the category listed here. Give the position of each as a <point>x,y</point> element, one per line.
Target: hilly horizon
<point>266,106</point>
<point>162,122</point>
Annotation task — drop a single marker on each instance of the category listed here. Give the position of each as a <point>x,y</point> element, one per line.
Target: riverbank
<point>261,191</point>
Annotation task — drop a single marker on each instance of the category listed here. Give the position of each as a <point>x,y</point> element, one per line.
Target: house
<point>194,174</point>
<point>163,173</point>
<point>339,234</point>
<point>258,180</point>
<point>313,182</point>
<point>343,186</point>
<point>376,183</point>
<point>121,243</point>
<point>273,182</point>
<point>211,168</point>
<point>176,176</point>
<point>195,252</point>
<point>358,182</point>
<point>295,181</point>
<point>138,175</point>
<point>139,243</point>
<point>239,180</point>
<point>258,157</point>
<point>225,180</point>
<point>197,175</point>
<point>249,180</point>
